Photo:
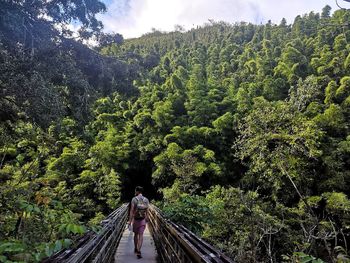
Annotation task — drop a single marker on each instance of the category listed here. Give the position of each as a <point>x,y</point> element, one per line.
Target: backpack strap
<point>142,198</point>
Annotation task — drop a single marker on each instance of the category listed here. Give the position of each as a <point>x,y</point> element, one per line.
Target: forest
<point>240,132</point>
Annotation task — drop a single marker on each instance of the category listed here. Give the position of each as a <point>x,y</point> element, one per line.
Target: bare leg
<point>136,239</point>
<point>139,245</point>
<point>140,241</point>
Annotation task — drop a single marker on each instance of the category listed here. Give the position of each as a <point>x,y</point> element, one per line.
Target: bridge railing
<point>97,247</point>
<point>176,243</point>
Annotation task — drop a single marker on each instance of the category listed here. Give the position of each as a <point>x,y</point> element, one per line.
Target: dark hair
<point>139,189</point>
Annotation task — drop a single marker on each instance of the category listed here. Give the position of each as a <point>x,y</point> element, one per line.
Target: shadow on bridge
<point>164,241</point>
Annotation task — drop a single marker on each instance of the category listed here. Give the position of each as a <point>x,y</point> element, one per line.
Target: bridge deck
<point>125,251</point>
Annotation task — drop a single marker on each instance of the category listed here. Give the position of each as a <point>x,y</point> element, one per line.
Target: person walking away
<point>138,217</point>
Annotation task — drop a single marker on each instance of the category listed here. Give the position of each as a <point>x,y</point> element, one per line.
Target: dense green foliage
<point>247,130</point>
<point>242,129</point>
<point>49,184</point>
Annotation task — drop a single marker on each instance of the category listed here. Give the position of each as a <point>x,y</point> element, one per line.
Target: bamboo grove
<point>238,131</point>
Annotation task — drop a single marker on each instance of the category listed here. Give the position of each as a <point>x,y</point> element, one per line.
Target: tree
<point>326,11</point>
<point>109,39</point>
<point>278,145</point>
<point>33,13</point>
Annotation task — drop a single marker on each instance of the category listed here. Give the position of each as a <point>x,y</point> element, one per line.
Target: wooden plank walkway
<point>125,251</point>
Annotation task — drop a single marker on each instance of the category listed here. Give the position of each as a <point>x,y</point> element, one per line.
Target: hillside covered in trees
<point>238,131</point>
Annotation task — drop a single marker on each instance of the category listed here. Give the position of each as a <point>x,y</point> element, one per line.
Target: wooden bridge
<point>164,241</point>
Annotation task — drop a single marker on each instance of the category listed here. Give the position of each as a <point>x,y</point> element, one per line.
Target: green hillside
<point>241,132</point>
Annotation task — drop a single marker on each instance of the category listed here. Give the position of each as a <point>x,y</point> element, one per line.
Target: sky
<point>132,18</point>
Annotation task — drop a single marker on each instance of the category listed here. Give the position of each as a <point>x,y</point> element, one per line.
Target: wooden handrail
<point>174,243</point>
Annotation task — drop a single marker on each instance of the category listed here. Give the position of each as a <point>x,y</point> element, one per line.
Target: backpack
<point>140,208</point>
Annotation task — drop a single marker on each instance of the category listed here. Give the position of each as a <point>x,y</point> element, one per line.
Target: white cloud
<point>132,18</point>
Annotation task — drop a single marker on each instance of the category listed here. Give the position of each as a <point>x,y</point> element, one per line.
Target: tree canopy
<point>239,131</point>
